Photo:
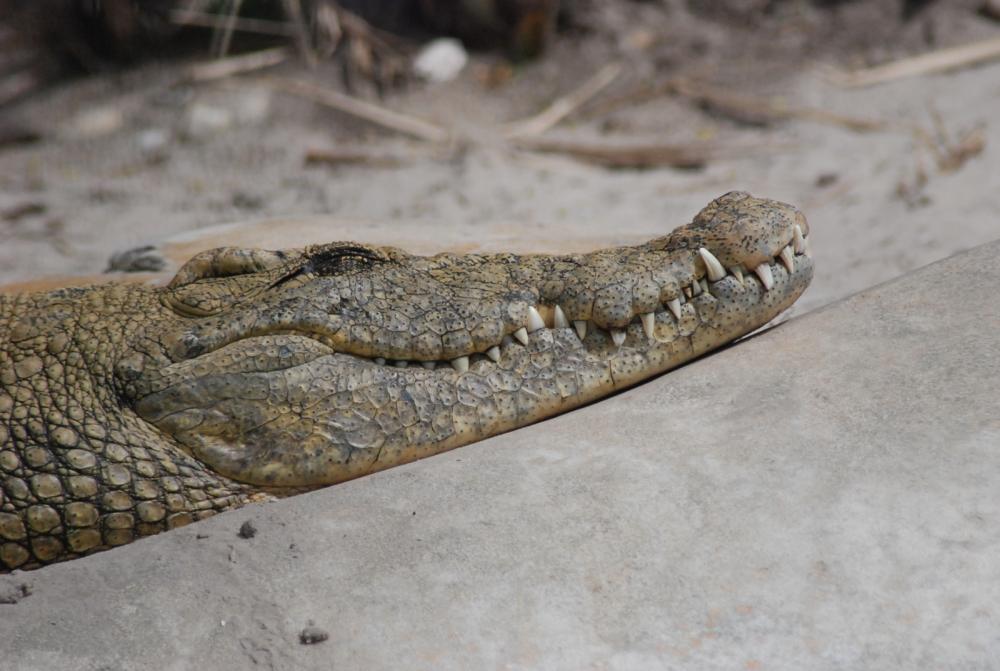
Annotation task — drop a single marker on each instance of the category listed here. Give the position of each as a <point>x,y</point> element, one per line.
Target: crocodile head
<point>308,367</point>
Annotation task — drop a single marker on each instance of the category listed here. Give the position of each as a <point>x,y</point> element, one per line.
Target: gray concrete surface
<point>825,495</point>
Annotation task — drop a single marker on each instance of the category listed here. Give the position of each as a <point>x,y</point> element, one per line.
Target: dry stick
<point>205,20</point>
<point>638,95</point>
<point>333,157</point>
<point>625,156</point>
<point>564,106</point>
<point>742,107</point>
<point>235,65</point>
<point>401,123</point>
<point>293,10</point>
<point>934,61</point>
<point>227,30</point>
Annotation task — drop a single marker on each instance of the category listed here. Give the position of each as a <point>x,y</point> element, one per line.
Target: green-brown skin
<point>128,410</point>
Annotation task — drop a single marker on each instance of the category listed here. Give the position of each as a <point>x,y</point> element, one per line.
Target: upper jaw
<point>737,249</point>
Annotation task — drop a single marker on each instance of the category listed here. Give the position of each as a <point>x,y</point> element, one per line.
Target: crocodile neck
<point>78,470</point>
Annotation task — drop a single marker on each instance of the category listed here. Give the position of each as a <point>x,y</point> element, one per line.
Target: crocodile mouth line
<point>588,333</point>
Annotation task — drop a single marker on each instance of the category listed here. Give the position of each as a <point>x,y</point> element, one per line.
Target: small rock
<point>441,60</point>
<point>312,635</point>
<point>96,122</point>
<point>152,140</point>
<point>252,105</point>
<point>247,201</point>
<point>640,39</point>
<point>145,259</point>
<point>23,210</point>
<point>205,119</point>
<point>247,530</point>
<point>990,9</point>
<point>827,179</point>
<point>12,593</point>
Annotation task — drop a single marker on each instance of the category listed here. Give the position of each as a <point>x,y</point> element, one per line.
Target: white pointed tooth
<point>737,272</point>
<point>581,328</point>
<point>494,354</point>
<point>675,306</point>
<point>687,291</point>
<point>521,335</point>
<point>704,285</point>
<point>380,361</point>
<point>535,321</point>
<point>715,270</point>
<point>429,365</point>
<point>787,257</point>
<point>764,273</point>
<point>648,321</point>
<point>461,364</point>
<point>798,240</point>
<point>401,363</point>
<point>808,250</point>
<point>618,336</point>
<point>695,289</point>
<point>559,320</point>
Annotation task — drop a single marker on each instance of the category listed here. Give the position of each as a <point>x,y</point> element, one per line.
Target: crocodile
<point>126,410</point>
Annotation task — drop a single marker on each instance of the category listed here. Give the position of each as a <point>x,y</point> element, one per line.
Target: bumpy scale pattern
<point>76,473</point>
<point>127,410</point>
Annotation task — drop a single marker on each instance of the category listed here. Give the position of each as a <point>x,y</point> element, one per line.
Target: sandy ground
<point>140,156</point>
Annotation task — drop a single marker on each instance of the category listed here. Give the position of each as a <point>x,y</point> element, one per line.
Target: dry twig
<point>636,156</point>
<point>376,114</point>
<point>754,110</point>
<point>934,61</point>
<point>206,20</point>
<point>225,38</point>
<point>333,157</point>
<point>565,105</point>
<point>293,10</point>
<point>237,65</point>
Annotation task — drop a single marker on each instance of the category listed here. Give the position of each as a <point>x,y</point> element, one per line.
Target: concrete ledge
<point>825,495</point>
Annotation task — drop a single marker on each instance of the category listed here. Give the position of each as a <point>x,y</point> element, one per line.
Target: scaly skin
<point>128,410</point>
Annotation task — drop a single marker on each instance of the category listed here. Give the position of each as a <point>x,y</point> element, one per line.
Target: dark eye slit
<point>338,259</point>
<point>330,262</point>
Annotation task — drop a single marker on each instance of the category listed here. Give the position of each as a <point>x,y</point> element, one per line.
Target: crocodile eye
<point>339,260</point>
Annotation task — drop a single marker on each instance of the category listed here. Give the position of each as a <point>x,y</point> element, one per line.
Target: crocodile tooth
<point>521,335</point>
<point>787,257</point>
<point>687,291</point>
<point>675,306</point>
<point>648,320</point>
<point>704,286</point>
<point>581,328</point>
<point>695,289</point>
<point>380,361</point>
<point>535,321</point>
<point>559,320</point>
<point>429,365</point>
<point>715,270</point>
<point>461,364</point>
<point>402,363</point>
<point>494,354</point>
<point>618,335</point>
<point>808,250</point>
<point>798,240</point>
<point>737,272</point>
<point>764,273</point>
